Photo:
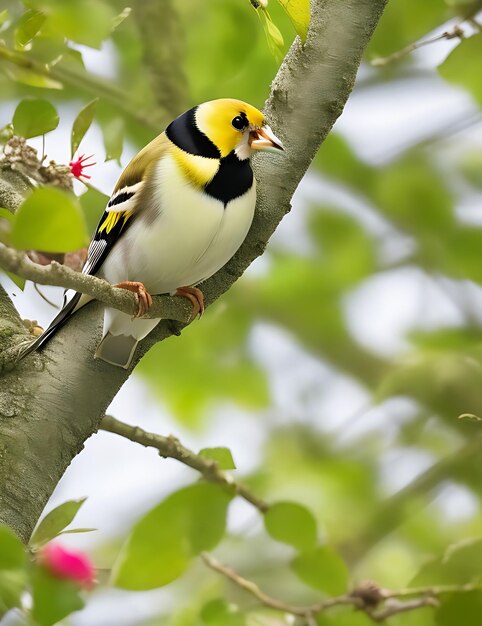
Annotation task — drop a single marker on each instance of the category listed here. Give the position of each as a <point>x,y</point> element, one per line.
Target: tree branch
<point>166,307</point>
<point>391,514</point>
<point>88,83</point>
<point>170,447</point>
<point>307,612</point>
<point>379,604</point>
<point>59,396</point>
<point>161,32</point>
<point>455,32</point>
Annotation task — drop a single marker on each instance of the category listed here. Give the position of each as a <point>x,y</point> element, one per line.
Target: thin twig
<point>170,447</point>
<point>435,591</point>
<point>456,32</point>
<point>44,297</point>
<point>273,603</point>
<point>395,607</point>
<point>378,604</point>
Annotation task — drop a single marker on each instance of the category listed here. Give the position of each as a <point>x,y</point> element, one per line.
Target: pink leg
<point>144,299</point>
<point>196,296</point>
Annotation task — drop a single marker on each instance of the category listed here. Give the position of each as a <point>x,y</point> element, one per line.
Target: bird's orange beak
<point>264,139</point>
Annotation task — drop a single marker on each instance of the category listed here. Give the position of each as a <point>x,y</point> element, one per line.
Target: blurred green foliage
<point>49,220</point>
<point>337,517</point>
<point>162,544</point>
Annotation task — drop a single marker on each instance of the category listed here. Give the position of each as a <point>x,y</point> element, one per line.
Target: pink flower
<point>67,564</point>
<point>77,167</point>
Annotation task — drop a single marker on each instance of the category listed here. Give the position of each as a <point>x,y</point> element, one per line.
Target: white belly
<point>193,236</point>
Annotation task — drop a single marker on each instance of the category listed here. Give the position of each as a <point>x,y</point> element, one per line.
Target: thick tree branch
<point>172,448</point>
<point>379,604</point>
<point>59,396</point>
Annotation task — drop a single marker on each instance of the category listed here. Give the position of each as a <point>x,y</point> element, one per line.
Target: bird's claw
<point>196,297</point>
<point>144,299</point>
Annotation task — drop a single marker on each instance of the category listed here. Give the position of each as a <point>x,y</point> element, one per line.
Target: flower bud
<point>67,564</point>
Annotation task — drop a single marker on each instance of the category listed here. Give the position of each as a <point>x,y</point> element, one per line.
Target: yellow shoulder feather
<point>138,167</point>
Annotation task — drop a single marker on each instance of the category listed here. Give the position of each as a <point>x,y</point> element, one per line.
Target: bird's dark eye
<point>240,122</point>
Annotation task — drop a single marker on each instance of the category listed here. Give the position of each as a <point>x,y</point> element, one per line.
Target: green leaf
<point>74,531</point>
<point>5,214</point>
<point>273,35</point>
<point>461,564</point>
<point>87,22</point>
<point>118,19</point>
<point>113,133</point>
<point>17,280</point>
<point>222,456</point>
<point>28,26</point>
<point>291,523</point>
<point>322,569</point>
<point>164,541</point>
<point>53,598</point>
<point>72,60</point>
<point>34,117</point>
<point>31,78</point>
<point>460,609</point>
<point>3,16</point>
<point>299,13</point>
<point>49,220</point>
<point>12,586</point>
<point>219,612</point>
<point>462,66</point>
<point>12,551</point>
<point>464,559</point>
<point>93,203</point>
<point>82,124</point>
<point>55,521</point>
<point>13,576</point>
<point>46,49</point>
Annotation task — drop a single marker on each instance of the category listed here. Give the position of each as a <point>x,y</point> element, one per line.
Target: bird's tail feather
<point>117,349</point>
<point>55,325</point>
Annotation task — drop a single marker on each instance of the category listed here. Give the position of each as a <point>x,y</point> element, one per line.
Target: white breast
<point>193,236</point>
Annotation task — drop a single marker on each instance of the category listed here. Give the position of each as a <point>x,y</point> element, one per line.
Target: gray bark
<point>53,401</point>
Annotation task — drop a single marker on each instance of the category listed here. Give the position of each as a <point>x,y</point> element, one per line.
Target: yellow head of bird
<point>235,125</point>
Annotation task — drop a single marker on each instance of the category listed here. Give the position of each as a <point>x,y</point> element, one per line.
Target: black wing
<point>111,226</point>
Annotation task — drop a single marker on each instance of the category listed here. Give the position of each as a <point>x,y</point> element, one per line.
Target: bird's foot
<point>144,300</point>
<point>196,296</point>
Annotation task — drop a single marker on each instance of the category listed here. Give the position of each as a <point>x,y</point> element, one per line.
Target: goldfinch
<point>180,210</point>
